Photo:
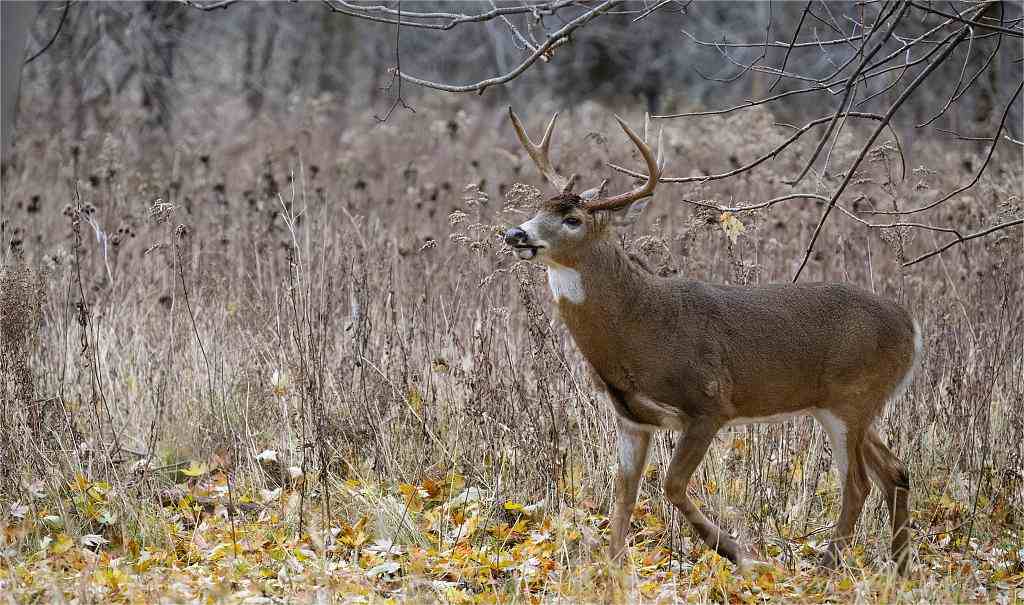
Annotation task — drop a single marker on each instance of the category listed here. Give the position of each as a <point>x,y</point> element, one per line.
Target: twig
<point>743,68</point>
<point>771,154</point>
<point>647,12</point>
<point>796,33</point>
<point>453,19</point>
<point>977,176</point>
<point>928,9</point>
<point>399,100</point>
<point>745,105</point>
<point>775,44</point>
<point>957,92</point>
<point>209,6</point>
<point>60,26</point>
<point>961,239</point>
<point>771,202</point>
<point>874,135</point>
<point>556,39</point>
<point>848,91</point>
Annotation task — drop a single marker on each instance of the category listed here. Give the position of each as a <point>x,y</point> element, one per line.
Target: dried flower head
<point>523,196</point>
<point>160,211</point>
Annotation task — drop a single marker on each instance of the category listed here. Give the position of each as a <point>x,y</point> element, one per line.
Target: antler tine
<point>653,172</point>
<point>539,153</point>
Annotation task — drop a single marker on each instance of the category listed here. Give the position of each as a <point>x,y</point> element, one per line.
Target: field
<point>300,366</point>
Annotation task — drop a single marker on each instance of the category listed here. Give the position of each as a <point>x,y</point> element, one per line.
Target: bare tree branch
<point>972,22</point>
<point>874,135</point>
<point>961,239</point>
<point>977,176</point>
<point>399,100</point>
<point>556,39</point>
<point>208,6</point>
<point>451,19</point>
<point>771,154</point>
<point>789,49</point>
<point>60,26</point>
<point>847,92</point>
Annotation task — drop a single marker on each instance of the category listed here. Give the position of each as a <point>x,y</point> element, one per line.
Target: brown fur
<point>692,356</point>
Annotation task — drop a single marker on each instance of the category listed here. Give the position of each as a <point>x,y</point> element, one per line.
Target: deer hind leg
<point>633,447</point>
<point>689,452</point>
<point>891,476</point>
<point>847,452</point>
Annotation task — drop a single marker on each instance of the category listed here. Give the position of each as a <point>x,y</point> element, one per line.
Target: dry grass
<point>330,313</point>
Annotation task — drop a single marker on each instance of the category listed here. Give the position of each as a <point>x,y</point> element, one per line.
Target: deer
<point>683,355</point>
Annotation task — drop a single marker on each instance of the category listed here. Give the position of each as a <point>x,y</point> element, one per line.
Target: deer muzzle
<point>519,240</point>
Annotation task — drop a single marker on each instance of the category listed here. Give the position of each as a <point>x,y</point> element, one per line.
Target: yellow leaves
<point>766,581</point>
<point>113,578</point>
<point>731,226</point>
<point>464,530</point>
<point>845,584</point>
<point>508,533</point>
<point>354,535</point>
<point>79,483</point>
<point>62,544</point>
<point>195,469</point>
<point>440,540</point>
<point>649,589</point>
<point>414,497</point>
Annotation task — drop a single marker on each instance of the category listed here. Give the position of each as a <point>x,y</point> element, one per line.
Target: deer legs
<point>860,454</point>
<point>855,491</point>
<point>633,447</point>
<point>890,475</point>
<point>689,452</point>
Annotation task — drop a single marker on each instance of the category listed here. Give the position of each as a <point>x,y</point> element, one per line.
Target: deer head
<point>569,222</point>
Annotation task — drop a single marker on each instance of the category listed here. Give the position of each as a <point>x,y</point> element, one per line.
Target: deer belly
<point>650,415</point>
<point>771,419</point>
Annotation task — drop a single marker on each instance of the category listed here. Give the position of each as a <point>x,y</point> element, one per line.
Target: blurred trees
<point>162,57</point>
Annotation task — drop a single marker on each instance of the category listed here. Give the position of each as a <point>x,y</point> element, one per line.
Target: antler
<point>539,153</point>
<point>653,170</point>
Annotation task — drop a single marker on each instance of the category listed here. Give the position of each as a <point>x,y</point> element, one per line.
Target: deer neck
<point>598,287</point>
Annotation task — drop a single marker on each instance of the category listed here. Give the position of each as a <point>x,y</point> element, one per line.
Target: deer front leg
<point>689,452</point>
<point>633,447</point>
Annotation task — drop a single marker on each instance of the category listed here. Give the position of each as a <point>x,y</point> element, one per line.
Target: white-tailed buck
<point>689,356</point>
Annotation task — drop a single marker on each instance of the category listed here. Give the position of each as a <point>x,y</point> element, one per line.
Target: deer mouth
<point>526,252</point>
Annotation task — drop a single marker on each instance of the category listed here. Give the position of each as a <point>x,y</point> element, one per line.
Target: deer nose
<point>515,236</point>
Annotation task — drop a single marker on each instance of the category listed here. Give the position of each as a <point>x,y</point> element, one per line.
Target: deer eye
<point>572,221</point>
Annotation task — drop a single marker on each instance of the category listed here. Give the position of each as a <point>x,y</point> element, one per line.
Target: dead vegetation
<point>309,369</point>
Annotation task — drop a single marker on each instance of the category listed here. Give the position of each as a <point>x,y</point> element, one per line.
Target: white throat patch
<point>566,283</point>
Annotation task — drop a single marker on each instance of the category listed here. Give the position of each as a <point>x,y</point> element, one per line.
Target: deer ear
<point>622,218</point>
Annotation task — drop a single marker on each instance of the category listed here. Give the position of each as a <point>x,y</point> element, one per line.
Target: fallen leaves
<point>438,538</point>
